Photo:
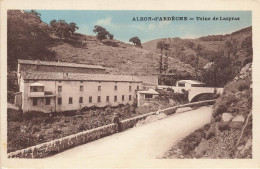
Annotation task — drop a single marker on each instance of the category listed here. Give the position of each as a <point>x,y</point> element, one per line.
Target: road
<point>149,141</point>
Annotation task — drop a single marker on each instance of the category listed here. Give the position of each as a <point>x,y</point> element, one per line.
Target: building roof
<point>62,64</point>
<point>150,91</point>
<point>77,76</point>
<point>190,81</point>
<point>36,84</point>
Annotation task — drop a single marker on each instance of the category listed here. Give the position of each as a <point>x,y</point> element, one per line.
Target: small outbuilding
<point>189,83</point>
<point>143,95</point>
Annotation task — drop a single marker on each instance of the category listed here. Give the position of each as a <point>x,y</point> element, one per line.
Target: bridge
<point>194,92</point>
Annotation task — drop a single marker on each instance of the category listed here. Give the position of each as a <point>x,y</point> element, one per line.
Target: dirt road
<point>145,142</point>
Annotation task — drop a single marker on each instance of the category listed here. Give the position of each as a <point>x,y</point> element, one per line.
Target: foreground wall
<point>58,145</point>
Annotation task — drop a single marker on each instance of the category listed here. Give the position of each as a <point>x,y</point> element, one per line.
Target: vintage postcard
<point>136,84</point>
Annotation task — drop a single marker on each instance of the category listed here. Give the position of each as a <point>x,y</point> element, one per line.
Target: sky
<point>123,24</point>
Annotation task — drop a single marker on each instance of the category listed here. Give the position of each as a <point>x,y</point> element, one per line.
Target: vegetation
<point>136,41</point>
<point>102,33</point>
<point>27,38</point>
<point>63,29</point>
<point>34,127</point>
<point>224,139</point>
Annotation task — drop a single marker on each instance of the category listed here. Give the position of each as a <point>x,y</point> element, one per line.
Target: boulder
<point>238,118</point>
<point>235,125</point>
<point>202,148</point>
<point>226,117</point>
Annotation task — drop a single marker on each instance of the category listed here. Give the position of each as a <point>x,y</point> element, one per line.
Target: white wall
<point>72,89</point>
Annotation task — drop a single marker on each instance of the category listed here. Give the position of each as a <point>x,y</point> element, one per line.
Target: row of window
<point>90,99</point>
<point>99,88</point>
<point>48,100</point>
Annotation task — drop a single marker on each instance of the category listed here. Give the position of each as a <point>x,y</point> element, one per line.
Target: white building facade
<point>57,91</point>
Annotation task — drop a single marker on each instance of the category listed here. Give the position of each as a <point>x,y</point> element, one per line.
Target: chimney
<point>65,75</point>
<point>37,63</point>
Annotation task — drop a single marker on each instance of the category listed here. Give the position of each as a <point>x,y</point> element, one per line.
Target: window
<point>48,101</point>
<point>59,101</point>
<point>115,88</point>
<point>148,96</point>
<point>115,98</point>
<point>81,88</point>
<point>90,99</point>
<point>130,97</point>
<point>130,88</point>
<point>34,101</point>
<point>80,99</point>
<point>59,81</point>
<point>36,89</point>
<point>137,87</point>
<point>59,88</point>
<point>70,100</point>
<point>181,84</point>
<point>99,98</point>
<point>123,97</point>
<point>99,88</point>
<point>107,98</point>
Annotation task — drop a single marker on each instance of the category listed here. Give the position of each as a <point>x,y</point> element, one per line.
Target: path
<point>145,142</point>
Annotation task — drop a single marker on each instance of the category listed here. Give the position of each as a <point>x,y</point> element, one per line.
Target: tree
<point>35,13</point>
<point>136,41</point>
<point>111,36</point>
<point>62,29</point>
<point>199,50</point>
<point>102,33</point>
<point>162,45</point>
<point>73,27</point>
<point>219,73</point>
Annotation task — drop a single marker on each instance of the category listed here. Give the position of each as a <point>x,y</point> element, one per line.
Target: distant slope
<point>30,38</point>
<point>213,46</point>
<point>122,59</point>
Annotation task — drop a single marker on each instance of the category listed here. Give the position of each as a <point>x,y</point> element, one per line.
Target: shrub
<point>243,86</point>
<point>14,115</point>
<point>219,109</point>
<point>223,126</point>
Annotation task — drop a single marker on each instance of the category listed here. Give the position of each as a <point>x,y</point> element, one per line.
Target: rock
<point>183,109</point>
<point>201,148</point>
<point>238,118</point>
<point>226,117</point>
<point>235,125</point>
<point>145,104</point>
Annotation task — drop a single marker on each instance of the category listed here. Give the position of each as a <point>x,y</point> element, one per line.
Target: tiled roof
<point>150,91</point>
<point>78,76</point>
<point>191,81</point>
<point>63,64</point>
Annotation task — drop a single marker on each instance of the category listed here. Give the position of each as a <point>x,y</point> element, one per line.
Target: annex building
<point>59,86</point>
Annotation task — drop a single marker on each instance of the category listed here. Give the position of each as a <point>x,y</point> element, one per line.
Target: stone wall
<point>58,145</point>
<point>129,123</point>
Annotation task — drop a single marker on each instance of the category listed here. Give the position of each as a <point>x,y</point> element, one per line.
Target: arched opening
<point>203,96</point>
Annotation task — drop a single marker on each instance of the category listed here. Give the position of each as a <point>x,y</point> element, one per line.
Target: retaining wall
<point>58,145</point>
<point>129,123</point>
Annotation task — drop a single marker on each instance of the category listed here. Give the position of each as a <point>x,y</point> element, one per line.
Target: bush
<point>243,86</point>
<point>219,109</point>
<point>14,115</point>
<point>223,126</point>
<point>10,97</point>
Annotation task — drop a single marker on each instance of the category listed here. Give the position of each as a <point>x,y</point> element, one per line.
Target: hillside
<point>229,135</point>
<point>30,38</point>
<point>238,45</point>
